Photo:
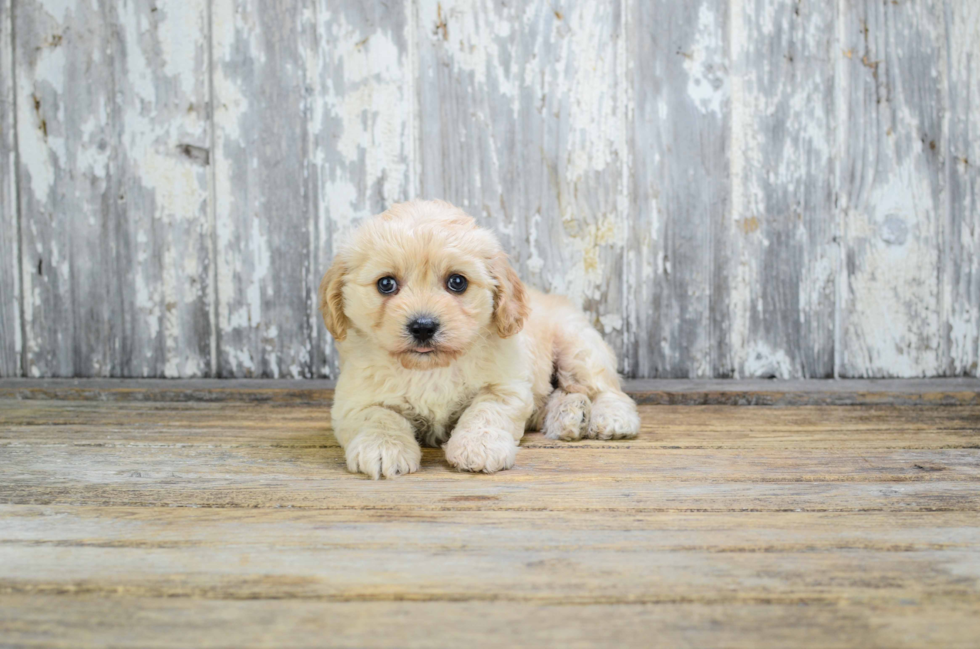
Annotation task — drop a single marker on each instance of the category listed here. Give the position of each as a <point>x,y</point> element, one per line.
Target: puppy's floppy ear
<point>332,300</point>
<point>510,300</point>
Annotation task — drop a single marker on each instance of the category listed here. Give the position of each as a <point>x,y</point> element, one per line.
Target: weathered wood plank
<point>113,137</point>
<point>961,255</point>
<point>81,622</point>
<point>450,492</point>
<point>153,465</point>
<point>10,320</point>
<point>676,276</point>
<point>264,186</point>
<point>659,558</point>
<point>161,84</point>
<point>85,622</point>
<point>29,423</point>
<point>522,123</point>
<point>63,99</point>
<point>364,112</point>
<point>201,528</point>
<point>303,473</point>
<point>891,203</point>
<point>783,259</point>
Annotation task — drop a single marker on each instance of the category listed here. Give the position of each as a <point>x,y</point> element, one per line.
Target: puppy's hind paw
<point>487,450</point>
<point>567,416</point>
<point>614,416</point>
<point>380,454</point>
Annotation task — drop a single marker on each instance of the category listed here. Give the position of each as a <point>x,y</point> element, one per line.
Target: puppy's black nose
<point>423,328</point>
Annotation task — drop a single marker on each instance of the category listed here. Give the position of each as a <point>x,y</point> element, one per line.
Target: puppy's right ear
<point>332,300</point>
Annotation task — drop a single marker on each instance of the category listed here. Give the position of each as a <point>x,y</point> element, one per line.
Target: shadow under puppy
<point>441,343</point>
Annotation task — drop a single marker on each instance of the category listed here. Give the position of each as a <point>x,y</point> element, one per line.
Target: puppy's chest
<point>434,407</point>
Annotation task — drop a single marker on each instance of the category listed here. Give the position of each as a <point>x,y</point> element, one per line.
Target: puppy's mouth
<point>426,357</point>
<point>418,350</point>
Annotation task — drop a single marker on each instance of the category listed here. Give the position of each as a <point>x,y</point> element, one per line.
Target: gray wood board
<point>677,271</point>
<point>891,196</point>
<point>10,320</point>
<point>780,233</point>
<point>113,134</point>
<point>961,252</point>
<point>264,188</point>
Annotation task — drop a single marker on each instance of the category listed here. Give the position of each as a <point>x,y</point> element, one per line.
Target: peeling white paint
<point>893,318</point>
<point>611,322</point>
<point>535,264</point>
<point>762,361</point>
<point>365,92</point>
<point>894,204</point>
<point>705,64</point>
<point>41,153</point>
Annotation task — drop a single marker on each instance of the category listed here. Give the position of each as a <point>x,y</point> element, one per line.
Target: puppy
<point>441,344</point>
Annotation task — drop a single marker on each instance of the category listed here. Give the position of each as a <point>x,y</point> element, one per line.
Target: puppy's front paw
<point>614,416</point>
<point>380,454</point>
<point>488,450</point>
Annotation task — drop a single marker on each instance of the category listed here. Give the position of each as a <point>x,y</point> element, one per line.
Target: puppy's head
<point>422,282</point>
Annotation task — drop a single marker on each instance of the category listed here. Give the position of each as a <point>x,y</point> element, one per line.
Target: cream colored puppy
<point>441,343</point>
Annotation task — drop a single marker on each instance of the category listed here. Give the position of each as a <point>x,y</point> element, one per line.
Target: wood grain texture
<point>677,274</point>
<point>891,201</point>
<point>364,111</point>
<point>961,253</point>
<point>30,620</point>
<point>728,526</point>
<point>780,236</point>
<point>68,312</point>
<point>281,424</point>
<point>10,320</point>
<point>264,186</point>
<point>660,558</point>
<point>687,459</point>
<point>523,124</point>
<point>113,136</point>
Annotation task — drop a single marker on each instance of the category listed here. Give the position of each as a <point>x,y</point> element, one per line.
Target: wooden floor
<point>225,518</point>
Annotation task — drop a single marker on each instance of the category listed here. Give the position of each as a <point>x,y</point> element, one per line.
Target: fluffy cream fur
<point>505,359</point>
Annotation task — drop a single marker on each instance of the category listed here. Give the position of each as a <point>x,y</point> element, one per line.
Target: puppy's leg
<point>586,364</point>
<point>378,442</point>
<point>486,435</point>
<point>566,415</point>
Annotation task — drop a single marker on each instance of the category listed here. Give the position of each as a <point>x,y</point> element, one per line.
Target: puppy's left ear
<point>510,300</point>
<point>332,300</point>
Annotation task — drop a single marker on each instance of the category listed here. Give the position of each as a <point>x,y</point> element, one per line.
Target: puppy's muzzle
<point>423,329</point>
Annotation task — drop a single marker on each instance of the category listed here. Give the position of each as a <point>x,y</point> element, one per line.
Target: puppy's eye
<point>457,283</point>
<point>387,285</point>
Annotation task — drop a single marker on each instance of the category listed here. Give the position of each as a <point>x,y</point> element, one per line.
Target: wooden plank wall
<point>731,188</point>
<point>10,320</point>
